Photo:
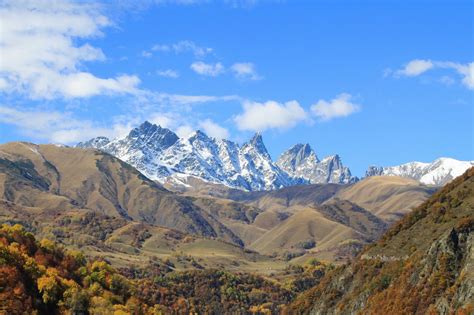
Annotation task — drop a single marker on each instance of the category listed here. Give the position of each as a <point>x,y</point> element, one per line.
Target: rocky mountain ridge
<point>160,154</point>
<point>302,162</point>
<point>164,157</point>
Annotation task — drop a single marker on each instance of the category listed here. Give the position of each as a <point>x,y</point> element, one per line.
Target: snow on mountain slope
<point>302,162</point>
<point>158,153</point>
<point>258,168</point>
<point>140,148</point>
<point>438,172</point>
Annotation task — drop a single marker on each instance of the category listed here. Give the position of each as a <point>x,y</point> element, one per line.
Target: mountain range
<point>159,154</point>
<point>90,200</point>
<point>162,156</point>
<point>68,193</point>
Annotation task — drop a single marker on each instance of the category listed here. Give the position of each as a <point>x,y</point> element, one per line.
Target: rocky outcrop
<point>423,264</point>
<point>302,162</point>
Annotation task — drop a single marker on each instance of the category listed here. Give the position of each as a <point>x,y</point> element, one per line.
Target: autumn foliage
<point>41,277</point>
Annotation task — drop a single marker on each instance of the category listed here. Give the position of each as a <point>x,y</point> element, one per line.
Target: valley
<point>97,203</point>
<point>301,249</point>
<point>291,240</point>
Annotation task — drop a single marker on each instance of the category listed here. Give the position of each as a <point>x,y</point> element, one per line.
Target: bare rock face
<point>160,155</point>
<point>302,162</point>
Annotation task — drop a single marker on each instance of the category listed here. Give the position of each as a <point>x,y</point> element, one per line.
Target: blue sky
<point>376,82</point>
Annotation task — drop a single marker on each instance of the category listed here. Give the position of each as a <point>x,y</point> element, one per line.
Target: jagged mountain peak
<point>301,150</point>
<point>374,170</point>
<point>152,135</point>
<point>198,135</point>
<point>150,129</point>
<point>159,153</point>
<point>301,161</point>
<point>297,155</point>
<point>256,143</point>
<point>257,138</point>
<point>95,143</point>
<point>146,125</point>
<point>335,159</point>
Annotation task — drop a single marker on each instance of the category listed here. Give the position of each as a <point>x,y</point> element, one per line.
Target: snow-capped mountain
<point>438,172</point>
<point>139,148</point>
<point>159,153</point>
<point>302,162</point>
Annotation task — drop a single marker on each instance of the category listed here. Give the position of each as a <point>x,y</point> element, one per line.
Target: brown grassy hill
<point>57,179</point>
<point>304,226</point>
<point>356,213</point>
<point>388,197</point>
<point>236,216</point>
<point>323,231</point>
<point>422,265</point>
<point>265,200</point>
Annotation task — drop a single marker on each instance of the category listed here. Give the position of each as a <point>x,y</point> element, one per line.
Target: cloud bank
<point>41,57</point>
<point>341,106</point>
<point>270,115</point>
<point>419,66</point>
<point>207,69</point>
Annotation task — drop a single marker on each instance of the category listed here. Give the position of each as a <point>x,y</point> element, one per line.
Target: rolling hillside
<point>287,218</point>
<point>89,200</point>
<point>388,197</point>
<point>93,197</point>
<point>56,179</point>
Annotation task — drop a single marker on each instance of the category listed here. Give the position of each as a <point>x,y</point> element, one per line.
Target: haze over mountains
<point>161,155</point>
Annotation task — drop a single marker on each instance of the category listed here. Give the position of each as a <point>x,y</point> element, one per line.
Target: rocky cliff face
<point>301,161</point>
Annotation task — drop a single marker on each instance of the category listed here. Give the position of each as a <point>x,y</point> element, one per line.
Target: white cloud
<point>271,114</point>
<point>183,46</point>
<point>213,129</point>
<point>167,99</point>
<point>184,131</point>
<point>468,72</point>
<point>207,69</point>
<point>245,70</point>
<point>168,73</point>
<point>41,56</point>
<point>53,126</point>
<point>165,120</point>
<point>146,54</point>
<point>447,80</point>
<point>341,106</point>
<point>84,84</point>
<point>465,70</point>
<point>415,67</point>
